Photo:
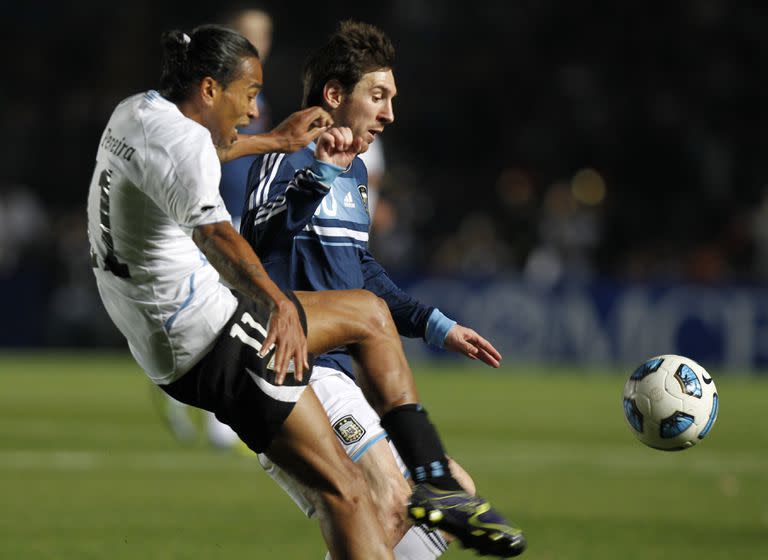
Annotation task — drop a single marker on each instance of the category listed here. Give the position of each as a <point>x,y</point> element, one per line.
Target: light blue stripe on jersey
<point>350,243</point>
<point>337,232</point>
<point>327,222</point>
<point>187,301</point>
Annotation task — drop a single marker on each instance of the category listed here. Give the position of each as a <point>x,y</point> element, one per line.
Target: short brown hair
<point>353,50</point>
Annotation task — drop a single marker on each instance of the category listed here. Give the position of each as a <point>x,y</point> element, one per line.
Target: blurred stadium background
<point>587,187</point>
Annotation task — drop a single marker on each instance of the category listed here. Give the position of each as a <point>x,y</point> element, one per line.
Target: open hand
<point>287,335</point>
<point>466,341</point>
<point>301,128</point>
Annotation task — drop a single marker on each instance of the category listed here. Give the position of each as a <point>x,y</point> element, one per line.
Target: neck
<point>191,110</point>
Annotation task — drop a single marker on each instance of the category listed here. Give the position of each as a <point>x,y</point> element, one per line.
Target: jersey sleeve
<point>185,182</point>
<point>409,314</point>
<point>281,200</point>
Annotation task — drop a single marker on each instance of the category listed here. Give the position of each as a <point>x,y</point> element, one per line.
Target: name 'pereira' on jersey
<point>310,236</point>
<point>156,179</point>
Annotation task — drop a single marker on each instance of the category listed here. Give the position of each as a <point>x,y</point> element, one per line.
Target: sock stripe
<point>435,538</point>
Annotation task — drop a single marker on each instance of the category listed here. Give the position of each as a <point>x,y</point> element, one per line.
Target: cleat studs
<point>435,516</point>
<point>418,512</point>
<point>495,536</point>
<point>478,533</point>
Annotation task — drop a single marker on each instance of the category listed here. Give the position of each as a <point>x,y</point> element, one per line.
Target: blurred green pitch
<point>87,470</point>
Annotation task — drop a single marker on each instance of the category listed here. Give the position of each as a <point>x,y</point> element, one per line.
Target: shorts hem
<point>364,449</point>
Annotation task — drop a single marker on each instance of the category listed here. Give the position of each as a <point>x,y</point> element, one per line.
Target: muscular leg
<point>389,490</point>
<point>361,321</point>
<point>308,450</point>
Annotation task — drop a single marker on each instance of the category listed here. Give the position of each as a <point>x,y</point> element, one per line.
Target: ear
<point>333,94</point>
<point>209,90</point>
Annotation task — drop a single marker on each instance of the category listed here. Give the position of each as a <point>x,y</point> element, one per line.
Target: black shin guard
<point>419,445</point>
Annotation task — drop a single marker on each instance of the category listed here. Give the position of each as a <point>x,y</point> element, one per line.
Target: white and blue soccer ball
<point>670,402</point>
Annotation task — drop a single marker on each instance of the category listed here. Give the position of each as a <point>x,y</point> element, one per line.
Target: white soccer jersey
<point>156,179</point>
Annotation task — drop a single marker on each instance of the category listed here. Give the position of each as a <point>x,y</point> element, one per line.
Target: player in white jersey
<point>160,237</point>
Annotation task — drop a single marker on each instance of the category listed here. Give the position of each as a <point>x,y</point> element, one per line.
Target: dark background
<point>504,109</point>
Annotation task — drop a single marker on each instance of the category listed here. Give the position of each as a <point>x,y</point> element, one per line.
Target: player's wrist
<point>438,326</point>
<point>325,172</point>
<point>277,141</point>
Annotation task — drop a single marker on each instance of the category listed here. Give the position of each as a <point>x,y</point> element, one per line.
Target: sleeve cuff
<point>325,173</point>
<point>438,326</point>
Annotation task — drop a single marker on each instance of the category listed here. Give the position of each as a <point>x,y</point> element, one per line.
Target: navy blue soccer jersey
<point>314,236</point>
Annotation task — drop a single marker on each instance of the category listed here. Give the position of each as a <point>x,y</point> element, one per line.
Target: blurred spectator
<point>759,231</point>
<point>476,249</point>
<point>23,226</point>
<point>256,26</point>
<point>569,231</point>
<point>75,315</point>
<point>376,165</point>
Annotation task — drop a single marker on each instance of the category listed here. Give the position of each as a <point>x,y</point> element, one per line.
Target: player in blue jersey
<point>308,221</point>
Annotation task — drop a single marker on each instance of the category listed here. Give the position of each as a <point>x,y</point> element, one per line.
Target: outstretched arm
<point>238,265</point>
<point>413,318</point>
<point>295,132</point>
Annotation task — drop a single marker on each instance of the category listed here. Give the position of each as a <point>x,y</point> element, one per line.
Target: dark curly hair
<point>209,50</point>
<point>353,50</point>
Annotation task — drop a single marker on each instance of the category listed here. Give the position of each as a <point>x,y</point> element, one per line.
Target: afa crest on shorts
<point>348,429</point>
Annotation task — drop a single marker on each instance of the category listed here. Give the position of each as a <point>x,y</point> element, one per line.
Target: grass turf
<point>87,469</point>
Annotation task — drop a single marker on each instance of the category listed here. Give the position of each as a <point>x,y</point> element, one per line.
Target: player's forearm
<point>236,262</point>
<point>255,144</point>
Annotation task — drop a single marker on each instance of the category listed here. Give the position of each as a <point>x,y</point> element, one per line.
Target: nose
<point>253,109</point>
<point>387,115</point>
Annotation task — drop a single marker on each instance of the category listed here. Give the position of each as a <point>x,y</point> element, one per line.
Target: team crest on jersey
<point>349,429</point>
<point>364,195</point>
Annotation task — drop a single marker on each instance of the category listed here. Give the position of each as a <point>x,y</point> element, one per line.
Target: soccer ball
<point>670,402</point>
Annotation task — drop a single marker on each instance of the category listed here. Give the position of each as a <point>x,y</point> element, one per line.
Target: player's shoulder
<point>163,120</point>
<point>278,166</point>
<point>169,132</point>
<point>358,170</point>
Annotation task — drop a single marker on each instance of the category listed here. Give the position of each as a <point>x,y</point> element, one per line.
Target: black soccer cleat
<point>470,519</point>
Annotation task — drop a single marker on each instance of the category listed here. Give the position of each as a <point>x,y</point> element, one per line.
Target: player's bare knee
<point>378,317</point>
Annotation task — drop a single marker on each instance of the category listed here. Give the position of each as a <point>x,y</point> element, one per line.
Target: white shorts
<point>353,420</point>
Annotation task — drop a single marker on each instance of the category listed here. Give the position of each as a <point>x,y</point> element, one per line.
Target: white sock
<point>417,544</point>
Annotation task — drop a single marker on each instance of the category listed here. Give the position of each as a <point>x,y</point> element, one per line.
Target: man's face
<point>368,108</point>
<point>236,104</point>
